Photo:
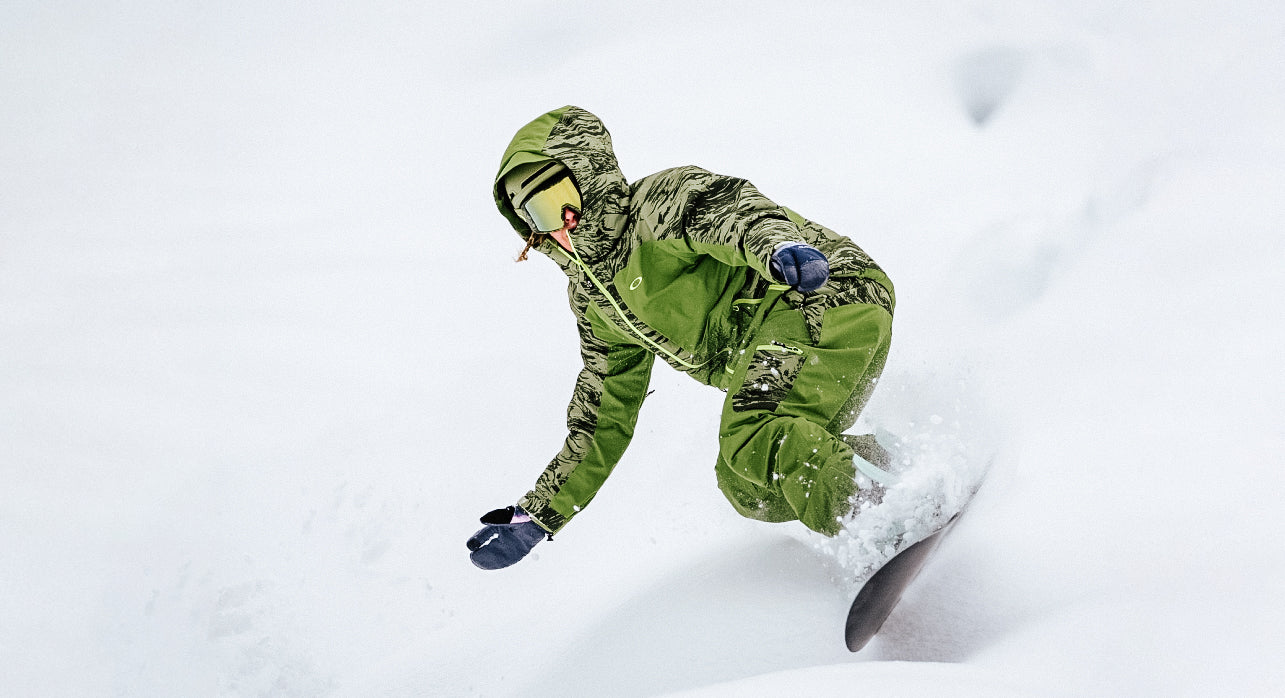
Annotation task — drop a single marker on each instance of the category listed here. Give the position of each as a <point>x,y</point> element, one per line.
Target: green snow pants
<point>781,456</point>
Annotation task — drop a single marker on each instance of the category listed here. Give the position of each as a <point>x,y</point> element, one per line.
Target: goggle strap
<point>539,173</point>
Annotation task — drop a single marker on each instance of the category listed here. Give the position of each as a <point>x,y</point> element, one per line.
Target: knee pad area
<point>791,469</point>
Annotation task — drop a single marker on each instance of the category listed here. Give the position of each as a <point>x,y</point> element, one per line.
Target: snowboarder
<point>791,319</point>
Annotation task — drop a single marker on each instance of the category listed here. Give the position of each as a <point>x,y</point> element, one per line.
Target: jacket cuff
<point>766,237</point>
<point>542,514</point>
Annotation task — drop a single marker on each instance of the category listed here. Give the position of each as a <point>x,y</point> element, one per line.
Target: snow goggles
<point>540,192</point>
<point>546,206</point>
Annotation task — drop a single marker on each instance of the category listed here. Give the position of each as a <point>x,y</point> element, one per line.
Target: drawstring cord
<point>766,304</point>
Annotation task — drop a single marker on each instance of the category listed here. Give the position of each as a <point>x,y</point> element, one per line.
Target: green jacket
<point>670,266</point>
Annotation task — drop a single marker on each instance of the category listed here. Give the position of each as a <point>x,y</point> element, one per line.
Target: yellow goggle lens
<point>545,206</point>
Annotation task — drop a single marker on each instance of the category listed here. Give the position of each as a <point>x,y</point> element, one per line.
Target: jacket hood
<point>580,141</point>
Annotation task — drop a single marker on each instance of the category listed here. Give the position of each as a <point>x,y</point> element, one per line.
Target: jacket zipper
<point>575,257</point>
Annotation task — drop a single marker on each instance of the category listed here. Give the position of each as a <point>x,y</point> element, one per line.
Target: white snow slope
<point>265,356</point>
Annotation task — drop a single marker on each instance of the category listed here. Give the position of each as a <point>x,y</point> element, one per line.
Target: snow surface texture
<point>265,356</point>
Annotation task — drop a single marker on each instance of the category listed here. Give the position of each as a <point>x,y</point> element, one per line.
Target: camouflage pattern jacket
<point>671,266</point>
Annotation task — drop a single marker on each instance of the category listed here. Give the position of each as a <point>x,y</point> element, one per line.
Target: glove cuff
<point>788,244</point>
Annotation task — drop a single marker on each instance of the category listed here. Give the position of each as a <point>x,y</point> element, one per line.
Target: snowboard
<point>880,594</point>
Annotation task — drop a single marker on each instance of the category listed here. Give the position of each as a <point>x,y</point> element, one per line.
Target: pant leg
<point>780,456</point>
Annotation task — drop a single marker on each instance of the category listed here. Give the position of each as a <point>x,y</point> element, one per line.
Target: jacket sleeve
<point>600,421</point>
<point>729,219</point>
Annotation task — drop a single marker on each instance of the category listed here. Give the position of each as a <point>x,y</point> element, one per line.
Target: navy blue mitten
<point>800,265</point>
<point>509,534</point>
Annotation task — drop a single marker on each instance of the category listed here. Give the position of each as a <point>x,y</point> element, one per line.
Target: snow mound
<point>884,679</point>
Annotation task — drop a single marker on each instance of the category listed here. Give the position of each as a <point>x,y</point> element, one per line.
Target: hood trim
<point>528,145</point>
